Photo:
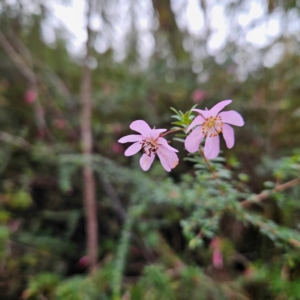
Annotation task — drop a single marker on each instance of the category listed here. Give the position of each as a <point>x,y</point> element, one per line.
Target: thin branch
<point>211,169</point>
<point>171,131</point>
<point>266,194</point>
<point>14,140</point>
<point>115,200</point>
<point>60,86</point>
<point>89,194</point>
<point>20,47</point>
<point>292,241</point>
<point>17,60</point>
<point>56,80</point>
<point>260,197</point>
<point>29,75</point>
<point>122,215</point>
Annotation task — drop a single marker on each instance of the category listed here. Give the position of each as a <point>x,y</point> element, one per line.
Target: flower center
<point>148,147</point>
<point>212,126</point>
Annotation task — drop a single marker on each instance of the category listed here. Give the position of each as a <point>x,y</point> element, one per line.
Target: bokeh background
<point>73,75</point>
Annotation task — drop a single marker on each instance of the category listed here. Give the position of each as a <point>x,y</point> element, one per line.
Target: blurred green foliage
<point>184,235</point>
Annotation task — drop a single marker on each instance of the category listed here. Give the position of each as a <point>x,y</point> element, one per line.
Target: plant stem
<point>31,78</point>
<point>211,169</point>
<point>171,131</point>
<point>89,197</point>
<point>265,194</point>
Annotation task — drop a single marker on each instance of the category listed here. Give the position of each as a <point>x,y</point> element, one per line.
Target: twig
<point>171,131</point>
<point>15,140</point>
<point>116,202</point>
<point>28,74</point>
<point>21,48</point>
<point>17,60</point>
<point>55,79</point>
<point>292,241</point>
<point>265,194</point>
<point>260,197</point>
<point>211,169</point>
<point>89,189</point>
<point>120,210</point>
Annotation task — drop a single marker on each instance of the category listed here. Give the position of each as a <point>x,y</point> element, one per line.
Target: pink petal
<point>194,139</point>
<point>212,147</point>
<point>228,135</point>
<point>204,113</point>
<point>197,121</point>
<point>162,141</point>
<point>156,132</point>
<point>146,161</point>
<point>218,107</point>
<point>133,149</point>
<point>83,262</point>
<point>168,158</point>
<point>217,259</point>
<point>142,127</point>
<point>130,138</point>
<point>232,117</point>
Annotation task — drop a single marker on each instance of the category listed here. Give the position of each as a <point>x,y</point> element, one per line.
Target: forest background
<point>78,219</point>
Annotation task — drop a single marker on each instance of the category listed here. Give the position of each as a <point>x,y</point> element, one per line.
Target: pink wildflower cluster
<point>208,124</point>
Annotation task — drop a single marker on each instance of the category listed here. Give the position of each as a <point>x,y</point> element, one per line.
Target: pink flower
<point>151,143</point>
<point>217,259</point>
<point>30,96</point>
<point>83,262</point>
<point>209,124</point>
<point>198,96</point>
<point>116,148</point>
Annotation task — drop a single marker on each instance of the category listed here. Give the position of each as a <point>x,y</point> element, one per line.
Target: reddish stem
<point>171,131</point>
<point>89,197</point>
